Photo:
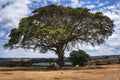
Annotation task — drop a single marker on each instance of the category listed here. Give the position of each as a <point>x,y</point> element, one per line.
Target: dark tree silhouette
<point>53,27</point>
<point>79,57</point>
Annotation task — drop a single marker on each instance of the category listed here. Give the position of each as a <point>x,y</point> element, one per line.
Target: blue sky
<point>11,11</point>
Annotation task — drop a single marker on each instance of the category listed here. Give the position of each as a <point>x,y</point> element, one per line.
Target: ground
<point>105,72</point>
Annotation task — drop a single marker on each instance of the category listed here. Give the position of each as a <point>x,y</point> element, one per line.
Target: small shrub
<point>54,66</point>
<point>79,58</point>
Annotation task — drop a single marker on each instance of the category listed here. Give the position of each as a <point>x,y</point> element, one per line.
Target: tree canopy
<point>54,27</point>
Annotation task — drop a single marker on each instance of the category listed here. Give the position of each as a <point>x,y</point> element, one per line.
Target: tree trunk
<point>61,59</point>
<point>60,53</point>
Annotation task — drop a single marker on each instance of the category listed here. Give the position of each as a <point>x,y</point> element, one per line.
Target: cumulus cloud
<point>90,6</point>
<point>12,11</point>
<point>21,53</point>
<point>2,34</point>
<point>55,1</point>
<point>114,13</point>
<point>76,3</point>
<point>112,45</point>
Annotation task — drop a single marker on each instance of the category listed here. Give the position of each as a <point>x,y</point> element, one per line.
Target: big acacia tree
<point>56,28</point>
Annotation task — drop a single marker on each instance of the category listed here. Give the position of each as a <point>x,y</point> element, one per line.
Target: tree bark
<point>61,59</point>
<point>60,53</point>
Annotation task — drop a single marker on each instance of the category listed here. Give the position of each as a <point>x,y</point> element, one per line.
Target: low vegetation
<point>79,57</point>
<point>96,60</point>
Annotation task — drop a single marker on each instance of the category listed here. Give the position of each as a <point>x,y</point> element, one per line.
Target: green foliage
<point>54,27</point>
<point>79,57</point>
<point>50,32</point>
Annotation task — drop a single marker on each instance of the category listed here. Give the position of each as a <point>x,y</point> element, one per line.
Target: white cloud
<point>2,34</point>
<point>112,45</point>
<point>55,1</point>
<point>101,4</point>
<point>76,3</point>
<point>112,15</point>
<point>97,1</point>
<point>114,41</point>
<point>21,53</point>
<point>90,6</point>
<point>12,13</point>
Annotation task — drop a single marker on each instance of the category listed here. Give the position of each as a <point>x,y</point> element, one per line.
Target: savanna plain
<point>102,72</point>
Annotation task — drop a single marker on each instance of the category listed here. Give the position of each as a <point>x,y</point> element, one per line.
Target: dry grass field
<point>105,72</point>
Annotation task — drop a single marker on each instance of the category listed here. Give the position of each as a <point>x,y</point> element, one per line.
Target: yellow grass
<point>108,72</point>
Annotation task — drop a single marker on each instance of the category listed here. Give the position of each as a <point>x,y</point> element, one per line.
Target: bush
<point>54,66</point>
<point>79,58</point>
